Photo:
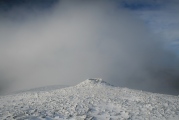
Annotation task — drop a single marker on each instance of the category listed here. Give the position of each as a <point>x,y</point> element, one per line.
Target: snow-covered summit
<point>92,82</point>
<point>93,99</point>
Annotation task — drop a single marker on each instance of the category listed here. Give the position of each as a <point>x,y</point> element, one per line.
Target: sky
<point>128,43</point>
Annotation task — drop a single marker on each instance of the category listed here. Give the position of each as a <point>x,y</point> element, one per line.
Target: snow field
<point>92,99</point>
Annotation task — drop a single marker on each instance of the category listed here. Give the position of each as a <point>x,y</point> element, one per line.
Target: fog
<point>77,40</point>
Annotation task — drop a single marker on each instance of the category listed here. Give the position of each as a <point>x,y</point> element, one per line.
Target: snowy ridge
<point>93,82</point>
<point>92,99</point>
<point>46,88</point>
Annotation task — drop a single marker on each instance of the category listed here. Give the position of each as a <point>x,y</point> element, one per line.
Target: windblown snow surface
<point>92,99</point>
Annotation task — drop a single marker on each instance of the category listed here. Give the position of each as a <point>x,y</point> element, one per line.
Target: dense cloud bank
<point>79,40</point>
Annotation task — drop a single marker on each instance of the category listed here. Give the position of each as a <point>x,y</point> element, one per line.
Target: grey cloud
<point>80,40</point>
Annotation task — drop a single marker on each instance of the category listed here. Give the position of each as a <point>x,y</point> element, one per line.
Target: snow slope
<point>92,99</point>
<point>46,88</point>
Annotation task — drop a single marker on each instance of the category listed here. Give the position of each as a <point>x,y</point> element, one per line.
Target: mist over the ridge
<point>80,40</point>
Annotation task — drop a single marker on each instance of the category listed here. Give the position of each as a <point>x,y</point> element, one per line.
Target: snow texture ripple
<point>92,99</point>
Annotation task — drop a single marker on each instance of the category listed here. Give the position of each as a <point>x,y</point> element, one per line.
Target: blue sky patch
<point>140,5</point>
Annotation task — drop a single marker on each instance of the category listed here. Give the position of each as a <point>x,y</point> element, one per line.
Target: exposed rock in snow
<point>92,99</point>
<point>93,82</point>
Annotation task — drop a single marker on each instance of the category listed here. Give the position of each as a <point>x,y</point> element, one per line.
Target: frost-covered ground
<point>92,99</point>
<point>46,88</point>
